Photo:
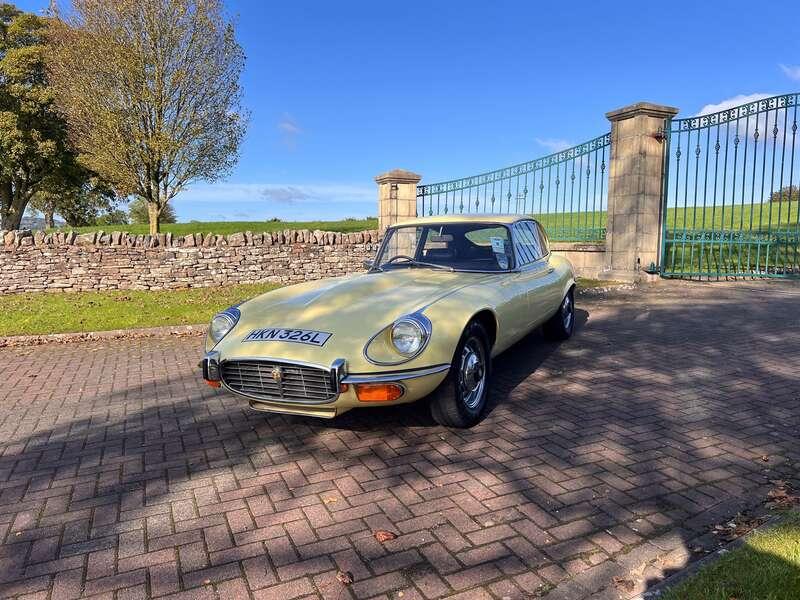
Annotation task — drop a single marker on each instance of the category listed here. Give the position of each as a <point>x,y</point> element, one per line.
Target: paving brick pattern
<point>122,476</point>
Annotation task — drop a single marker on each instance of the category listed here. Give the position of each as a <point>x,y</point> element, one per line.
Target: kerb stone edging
<point>15,341</point>
<point>693,568</point>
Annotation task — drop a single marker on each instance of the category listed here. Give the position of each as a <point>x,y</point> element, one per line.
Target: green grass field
<point>766,567</point>
<point>739,216</point>
<point>228,227</point>
<point>569,226</point>
<point>565,226</point>
<point>45,312</point>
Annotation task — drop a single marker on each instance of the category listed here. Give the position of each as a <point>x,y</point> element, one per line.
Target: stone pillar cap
<point>642,108</point>
<point>398,176</point>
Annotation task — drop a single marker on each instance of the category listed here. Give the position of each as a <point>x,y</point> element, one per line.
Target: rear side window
<point>527,242</point>
<point>543,241</point>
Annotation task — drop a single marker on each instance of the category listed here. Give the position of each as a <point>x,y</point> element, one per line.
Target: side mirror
<point>368,263</point>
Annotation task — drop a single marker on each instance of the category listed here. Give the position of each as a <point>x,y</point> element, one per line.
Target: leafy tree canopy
<point>33,137</point>
<point>151,93</point>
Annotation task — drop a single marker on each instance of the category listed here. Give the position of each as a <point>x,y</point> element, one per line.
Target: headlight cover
<point>222,323</point>
<point>407,336</point>
<point>401,341</point>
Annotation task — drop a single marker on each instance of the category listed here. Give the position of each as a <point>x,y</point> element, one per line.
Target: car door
<point>552,288</point>
<point>537,276</point>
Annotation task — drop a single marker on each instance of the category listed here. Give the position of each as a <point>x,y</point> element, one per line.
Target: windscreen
<point>456,246</point>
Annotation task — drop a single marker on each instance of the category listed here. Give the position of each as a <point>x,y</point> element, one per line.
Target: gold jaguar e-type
<point>443,297</point>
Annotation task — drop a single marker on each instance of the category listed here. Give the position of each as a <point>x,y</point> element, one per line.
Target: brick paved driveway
<point>607,456</point>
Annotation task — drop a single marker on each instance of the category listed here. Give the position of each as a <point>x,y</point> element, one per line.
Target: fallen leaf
<point>346,577</point>
<point>384,536</point>
<point>765,458</point>
<point>737,527</point>
<point>329,500</point>
<point>781,495</point>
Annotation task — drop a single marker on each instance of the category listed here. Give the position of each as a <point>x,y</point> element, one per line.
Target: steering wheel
<point>403,256</point>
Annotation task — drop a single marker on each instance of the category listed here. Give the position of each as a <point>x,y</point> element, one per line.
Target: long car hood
<point>351,308</point>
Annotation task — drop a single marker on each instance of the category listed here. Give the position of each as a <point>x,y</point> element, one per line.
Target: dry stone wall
<point>66,261</point>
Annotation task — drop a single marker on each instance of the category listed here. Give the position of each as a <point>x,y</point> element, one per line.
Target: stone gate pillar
<point>397,197</point>
<point>636,167</point>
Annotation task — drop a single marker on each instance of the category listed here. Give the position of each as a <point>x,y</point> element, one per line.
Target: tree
<point>150,90</point>
<point>75,194</point>
<point>79,204</point>
<point>789,193</point>
<point>33,137</point>
<point>137,210</point>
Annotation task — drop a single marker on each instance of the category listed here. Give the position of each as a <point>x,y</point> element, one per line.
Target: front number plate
<point>297,336</point>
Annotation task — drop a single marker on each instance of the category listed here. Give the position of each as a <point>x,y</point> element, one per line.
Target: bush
<point>113,217</point>
<point>789,193</point>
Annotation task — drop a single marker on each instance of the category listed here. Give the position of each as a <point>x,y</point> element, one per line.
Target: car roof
<point>473,218</point>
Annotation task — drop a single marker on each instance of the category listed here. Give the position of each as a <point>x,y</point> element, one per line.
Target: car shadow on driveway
<point>515,364</point>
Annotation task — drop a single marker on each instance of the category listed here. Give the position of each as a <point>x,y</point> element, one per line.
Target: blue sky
<point>341,91</point>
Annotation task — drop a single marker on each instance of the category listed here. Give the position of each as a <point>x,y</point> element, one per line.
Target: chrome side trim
<point>396,376</point>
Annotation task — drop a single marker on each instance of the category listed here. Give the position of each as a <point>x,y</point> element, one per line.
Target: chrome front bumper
<point>212,371</point>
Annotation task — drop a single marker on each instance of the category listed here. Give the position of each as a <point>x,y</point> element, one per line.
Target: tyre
<point>561,324</point>
<point>460,399</point>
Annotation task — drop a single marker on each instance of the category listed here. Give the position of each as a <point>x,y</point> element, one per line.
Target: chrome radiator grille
<point>277,381</point>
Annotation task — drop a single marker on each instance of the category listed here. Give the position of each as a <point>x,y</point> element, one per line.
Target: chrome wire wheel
<point>472,373</point>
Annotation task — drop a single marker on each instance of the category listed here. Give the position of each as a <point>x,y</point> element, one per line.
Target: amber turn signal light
<point>378,392</point>
<point>214,384</point>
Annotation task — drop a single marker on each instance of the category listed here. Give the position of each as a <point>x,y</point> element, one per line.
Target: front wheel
<point>561,324</point>
<point>460,399</point>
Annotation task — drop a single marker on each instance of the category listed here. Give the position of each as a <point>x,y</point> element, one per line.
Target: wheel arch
<point>488,320</point>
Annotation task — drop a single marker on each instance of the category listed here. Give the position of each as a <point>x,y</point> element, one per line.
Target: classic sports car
<point>443,297</point>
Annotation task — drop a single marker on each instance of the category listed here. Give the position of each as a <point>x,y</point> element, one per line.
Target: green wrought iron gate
<point>566,191</point>
<point>732,192</point>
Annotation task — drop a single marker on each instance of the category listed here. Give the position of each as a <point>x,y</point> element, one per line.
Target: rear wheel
<point>460,399</point>
<point>561,324</point>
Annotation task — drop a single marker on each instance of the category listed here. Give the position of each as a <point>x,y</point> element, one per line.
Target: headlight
<point>407,337</point>
<point>222,323</point>
<point>399,342</point>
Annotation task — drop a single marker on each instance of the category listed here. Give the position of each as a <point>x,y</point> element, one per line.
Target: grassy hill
<point>569,226</point>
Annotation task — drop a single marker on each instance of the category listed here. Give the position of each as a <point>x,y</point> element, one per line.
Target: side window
<point>544,243</point>
<point>527,243</point>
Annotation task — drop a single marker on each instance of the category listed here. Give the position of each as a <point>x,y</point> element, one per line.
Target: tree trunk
<point>11,207</point>
<point>153,212</point>
<point>7,220</point>
<point>49,219</point>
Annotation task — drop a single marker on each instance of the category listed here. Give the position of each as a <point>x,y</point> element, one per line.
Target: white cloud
<point>288,125</point>
<point>553,144</point>
<point>732,102</point>
<point>791,71</point>
<point>288,201</point>
<point>281,193</point>
<point>290,131</point>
